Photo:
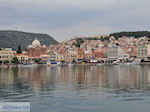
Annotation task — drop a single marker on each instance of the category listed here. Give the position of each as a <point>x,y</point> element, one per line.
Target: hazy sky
<point>65,19</point>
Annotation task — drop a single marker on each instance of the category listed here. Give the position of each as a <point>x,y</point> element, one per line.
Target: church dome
<point>36,43</point>
<point>30,46</point>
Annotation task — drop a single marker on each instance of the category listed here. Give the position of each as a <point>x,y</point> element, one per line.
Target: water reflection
<point>133,77</point>
<point>45,84</point>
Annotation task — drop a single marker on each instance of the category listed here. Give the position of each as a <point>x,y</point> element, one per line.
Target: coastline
<point>86,64</point>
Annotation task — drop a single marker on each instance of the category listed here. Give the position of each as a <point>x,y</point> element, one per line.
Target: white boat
<point>30,65</point>
<point>117,62</point>
<point>59,63</point>
<point>135,62</point>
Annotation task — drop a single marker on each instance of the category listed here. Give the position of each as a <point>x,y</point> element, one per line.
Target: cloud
<point>88,28</point>
<point>64,19</point>
<point>89,4</point>
<point>58,3</point>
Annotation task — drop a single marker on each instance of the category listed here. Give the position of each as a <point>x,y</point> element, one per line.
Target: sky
<point>65,19</point>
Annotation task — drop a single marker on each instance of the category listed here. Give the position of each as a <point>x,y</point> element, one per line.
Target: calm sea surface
<point>79,88</point>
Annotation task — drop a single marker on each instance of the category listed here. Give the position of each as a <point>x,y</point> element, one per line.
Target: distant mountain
<point>131,34</point>
<point>13,39</point>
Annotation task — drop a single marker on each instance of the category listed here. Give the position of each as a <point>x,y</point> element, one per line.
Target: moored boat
<point>135,62</point>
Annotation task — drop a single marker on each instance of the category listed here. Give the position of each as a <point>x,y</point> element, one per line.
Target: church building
<point>35,50</point>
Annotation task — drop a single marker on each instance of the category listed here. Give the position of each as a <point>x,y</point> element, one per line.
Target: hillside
<point>131,34</point>
<point>15,38</point>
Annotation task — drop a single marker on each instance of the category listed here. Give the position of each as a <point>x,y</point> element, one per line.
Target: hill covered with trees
<point>131,34</point>
<point>13,39</point>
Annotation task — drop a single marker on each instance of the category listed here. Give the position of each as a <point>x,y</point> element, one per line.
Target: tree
<point>15,60</point>
<point>1,62</point>
<point>62,61</point>
<point>19,49</point>
<point>142,60</point>
<point>6,62</point>
<point>77,45</point>
<point>80,40</point>
<point>74,61</point>
<point>25,49</point>
<point>37,60</point>
<point>131,34</point>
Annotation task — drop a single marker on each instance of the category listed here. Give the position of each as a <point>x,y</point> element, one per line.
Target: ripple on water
<point>133,99</point>
<point>79,88</point>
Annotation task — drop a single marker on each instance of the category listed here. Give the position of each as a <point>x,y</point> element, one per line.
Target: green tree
<point>80,40</point>
<point>15,60</point>
<point>131,34</point>
<point>37,60</point>
<point>19,49</point>
<point>1,62</point>
<point>74,61</point>
<point>6,62</point>
<point>77,45</point>
<point>142,60</point>
<point>62,61</point>
<point>25,49</point>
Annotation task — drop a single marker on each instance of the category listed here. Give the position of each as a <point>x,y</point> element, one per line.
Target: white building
<point>7,54</point>
<point>144,51</point>
<point>73,54</point>
<point>113,52</point>
<point>52,56</point>
<point>59,57</point>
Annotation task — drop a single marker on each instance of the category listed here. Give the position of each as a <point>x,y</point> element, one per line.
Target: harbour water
<point>118,88</point>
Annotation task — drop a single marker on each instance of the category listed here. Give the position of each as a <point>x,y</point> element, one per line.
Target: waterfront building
<point>122,55</point>
<point>73,54</point>
<point>105,52</point>
<point>67,58</point>
<point>7,54</point>
<point>131,50</point>
<point>22,58</point>
<point>144,51</point>
<point>52,56</point>
<point>88,56</point>
<point>113,52</point>
<point>59,57</point>
<point>80,54</point>
<point>35,50</point>
<point>116,52</point>
<point>98,54</point>
<point>45,57</point>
